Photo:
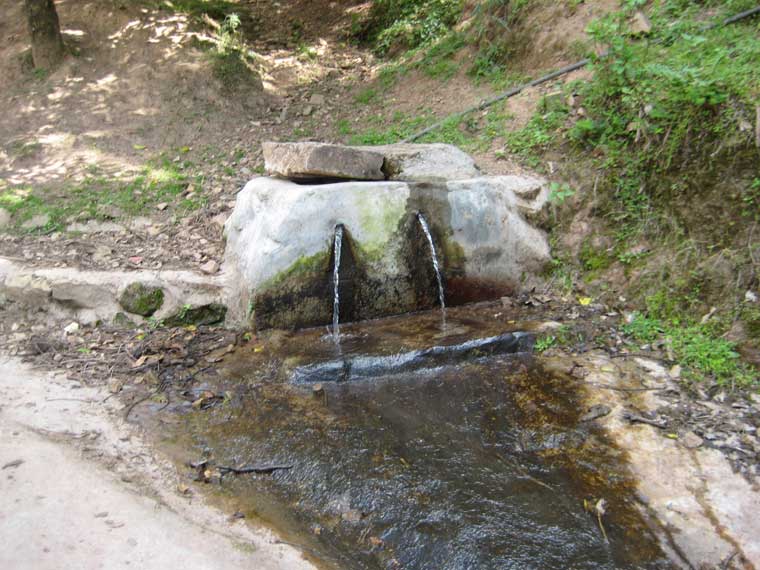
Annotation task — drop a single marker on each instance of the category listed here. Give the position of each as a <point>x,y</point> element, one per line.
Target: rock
<point>749,296</point>
<point>690,440</point>
<point>280,238</point>
<point>140,223</point>
<point>122,320</point>
<point>162,206</point>
<point>425,162</point>
<point>36,222</point>
<point>317,99</point>
<point>27,289</point>
<point>309,160</point>
<point>71,328</point>
<point>115,385</point>
<point>110,211</point>
<point>640,24</point>
<point>5,218</point>
<point>141,299</point>
<point>210,267</point>
<point>594,412</point>
<point>210,314</point>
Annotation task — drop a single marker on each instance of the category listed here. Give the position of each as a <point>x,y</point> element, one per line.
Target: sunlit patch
<point>11,197</point>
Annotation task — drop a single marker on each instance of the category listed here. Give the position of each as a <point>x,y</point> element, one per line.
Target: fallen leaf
<point>138,146</point>
<point>218,354</point>
<point>584,301</point>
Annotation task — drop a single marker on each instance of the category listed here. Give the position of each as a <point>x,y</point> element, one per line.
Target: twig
<point>140,401</point>
<point>634,418</point>
<point>260,469</point>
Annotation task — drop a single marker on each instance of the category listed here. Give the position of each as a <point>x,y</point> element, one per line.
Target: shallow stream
<point>475,460</point>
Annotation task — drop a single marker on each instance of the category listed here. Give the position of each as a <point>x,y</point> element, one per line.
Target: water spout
<point>436,267</point>
<point>336,280</point>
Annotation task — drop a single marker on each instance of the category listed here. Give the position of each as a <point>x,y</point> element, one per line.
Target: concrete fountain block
<point>279,252</point>
<point>311,160</point>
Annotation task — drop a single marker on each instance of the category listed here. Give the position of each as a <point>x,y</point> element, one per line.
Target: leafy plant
<point>545,343</point>
<point>558,193</point>
<point>409,23</point>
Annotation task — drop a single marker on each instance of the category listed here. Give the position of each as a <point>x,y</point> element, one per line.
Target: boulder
<point>311,160</point>
<point>280,241</point>
<point>141,299</point>
<point>425,162</point>
<point>27,289</point>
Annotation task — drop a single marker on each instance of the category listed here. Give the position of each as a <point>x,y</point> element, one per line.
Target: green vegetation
<point>562,336</point>
<point>544,343</point>
<point>407,23</point>
<point>541,131</point>
<point>663,123</point>
<point>97,195</point>
<point>229,59</point>
<point>468,133</point>
<point>199,9</point>
<point>493,35</point>
<point>696,347</point>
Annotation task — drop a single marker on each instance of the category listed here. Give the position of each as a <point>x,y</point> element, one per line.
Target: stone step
<point>92,296</point>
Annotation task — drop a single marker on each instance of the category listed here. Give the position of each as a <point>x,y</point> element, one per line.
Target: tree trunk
<point>47,44</point>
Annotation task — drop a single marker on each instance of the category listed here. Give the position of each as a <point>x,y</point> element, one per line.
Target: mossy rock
<point>122,320</point>
<point>141,299</point>
<point>211,314</point>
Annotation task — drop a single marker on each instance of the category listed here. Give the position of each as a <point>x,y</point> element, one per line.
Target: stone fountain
<point>280,254</point>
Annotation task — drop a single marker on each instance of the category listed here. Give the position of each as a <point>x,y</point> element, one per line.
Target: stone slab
<point>425,162</point>
<point>311,160</point>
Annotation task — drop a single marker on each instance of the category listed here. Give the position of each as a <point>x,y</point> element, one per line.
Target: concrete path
<point>80,490</point>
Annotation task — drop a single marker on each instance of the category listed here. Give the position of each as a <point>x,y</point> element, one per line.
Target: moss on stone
<point>379,221</point>
<point>122,320</point>
<point>141,299</point>
<point>302,268</point>
<point>453,255</point>
<point>210,314</point>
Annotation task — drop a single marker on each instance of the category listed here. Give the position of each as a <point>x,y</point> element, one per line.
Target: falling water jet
<point>336,281</point>
<point>428,235</point>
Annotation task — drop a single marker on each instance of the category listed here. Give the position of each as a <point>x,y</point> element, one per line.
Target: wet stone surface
<point>477,464</point>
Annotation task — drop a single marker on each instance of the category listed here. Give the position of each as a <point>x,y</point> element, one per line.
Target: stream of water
<point>336,281</point>
<point>434,256</point>
<point>467,458</point>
